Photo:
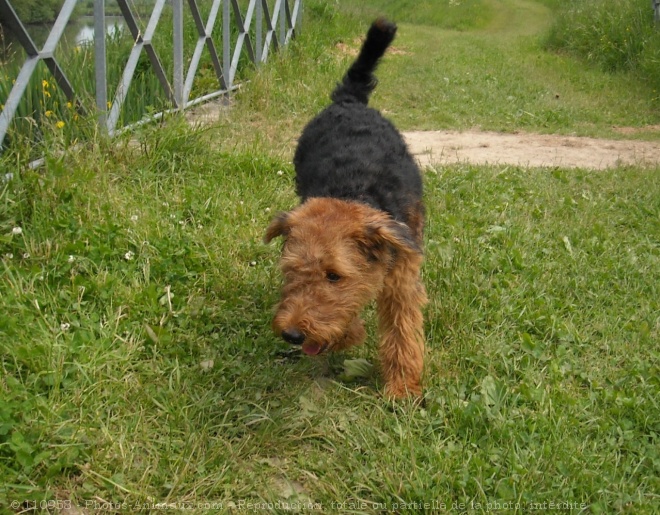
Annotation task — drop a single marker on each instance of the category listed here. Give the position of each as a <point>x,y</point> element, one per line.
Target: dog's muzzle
<point>295,337</point>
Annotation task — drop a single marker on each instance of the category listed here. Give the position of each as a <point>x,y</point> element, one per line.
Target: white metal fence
<point>258,26</point>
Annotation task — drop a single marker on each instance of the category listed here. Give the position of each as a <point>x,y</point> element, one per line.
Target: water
<point>85,34</point>
<point>78,32</point>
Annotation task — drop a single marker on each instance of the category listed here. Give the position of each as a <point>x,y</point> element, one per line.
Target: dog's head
<point>335,257</point>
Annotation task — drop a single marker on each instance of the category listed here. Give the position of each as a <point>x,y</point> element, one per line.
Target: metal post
<point>226,49</point>
<point>259,34</point>
<point>298,17</point>
<point>177,20</point>
<point>283,21</point>
<point>100,64</point>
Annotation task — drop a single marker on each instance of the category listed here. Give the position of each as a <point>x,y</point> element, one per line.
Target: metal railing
<point>270,31</point>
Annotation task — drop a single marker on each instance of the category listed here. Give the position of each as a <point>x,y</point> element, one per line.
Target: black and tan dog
<point>357,234</point>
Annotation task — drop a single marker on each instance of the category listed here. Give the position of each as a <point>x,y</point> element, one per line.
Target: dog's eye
<point>332,277</point>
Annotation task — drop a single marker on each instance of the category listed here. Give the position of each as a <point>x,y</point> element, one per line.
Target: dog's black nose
<point>293,336</point>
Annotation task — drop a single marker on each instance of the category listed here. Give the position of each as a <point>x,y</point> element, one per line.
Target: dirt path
<point>532,150</point>
<point>523,149</point>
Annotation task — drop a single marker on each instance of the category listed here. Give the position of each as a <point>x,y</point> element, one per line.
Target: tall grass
<point>617,35</point>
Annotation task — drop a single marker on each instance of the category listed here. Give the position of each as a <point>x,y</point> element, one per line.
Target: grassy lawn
<point>137,365</point>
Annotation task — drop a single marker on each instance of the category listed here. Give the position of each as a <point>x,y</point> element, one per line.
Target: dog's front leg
<point>401,326</point>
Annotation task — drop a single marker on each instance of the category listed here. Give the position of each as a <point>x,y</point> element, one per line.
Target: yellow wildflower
<point>44,83</point>
<point>48,114</point>
<point>69,105</point>
<point>59,124</point>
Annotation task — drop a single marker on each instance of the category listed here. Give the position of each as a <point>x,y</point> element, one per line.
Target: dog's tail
<point>359,81</point>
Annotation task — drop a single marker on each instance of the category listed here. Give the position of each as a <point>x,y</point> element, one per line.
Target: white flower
<point>134,218</point>
<point>17,231</point>
<point>280,172</point>
<point>71,259</point>
<point>26,255</point>
<point>267,210</point>
<point>9,255</point>
<point>65,326</point>
<point>129,255</point>
<point>253,263</point>
<point>182,222</point>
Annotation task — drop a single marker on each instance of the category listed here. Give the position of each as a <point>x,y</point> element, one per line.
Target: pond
<point>78,32</point>
<point>85,33</point>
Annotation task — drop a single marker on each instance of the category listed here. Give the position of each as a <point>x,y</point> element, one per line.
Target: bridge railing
<point>248,27</point>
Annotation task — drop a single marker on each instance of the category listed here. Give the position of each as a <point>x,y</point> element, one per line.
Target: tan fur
<point>375,258</point>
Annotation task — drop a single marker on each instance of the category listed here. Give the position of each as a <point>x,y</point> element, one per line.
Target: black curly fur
<point>359,81</point>
<point>350,151</point>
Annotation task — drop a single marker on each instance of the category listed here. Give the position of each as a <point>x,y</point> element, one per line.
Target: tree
<point>36,11</point>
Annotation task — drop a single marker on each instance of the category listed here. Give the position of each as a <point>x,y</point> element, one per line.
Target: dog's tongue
<point>311,348</point>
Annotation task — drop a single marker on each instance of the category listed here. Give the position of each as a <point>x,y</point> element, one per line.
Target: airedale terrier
<point>357,234</point>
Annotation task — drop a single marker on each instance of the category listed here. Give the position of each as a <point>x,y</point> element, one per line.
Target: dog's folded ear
<point>390,233</point>
<point>278,227</point>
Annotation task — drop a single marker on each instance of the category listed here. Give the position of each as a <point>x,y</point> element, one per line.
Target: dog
<point>357,234</point>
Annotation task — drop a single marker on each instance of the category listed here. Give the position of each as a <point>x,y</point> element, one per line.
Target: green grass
<point>615,35</point>
<point>459,15</point>
<point>498,79</point>
<point>137,364</point>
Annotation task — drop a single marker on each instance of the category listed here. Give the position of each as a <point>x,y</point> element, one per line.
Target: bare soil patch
<point>532,150</point>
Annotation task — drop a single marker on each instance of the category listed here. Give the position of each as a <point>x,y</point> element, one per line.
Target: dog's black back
<point>350,151</point>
